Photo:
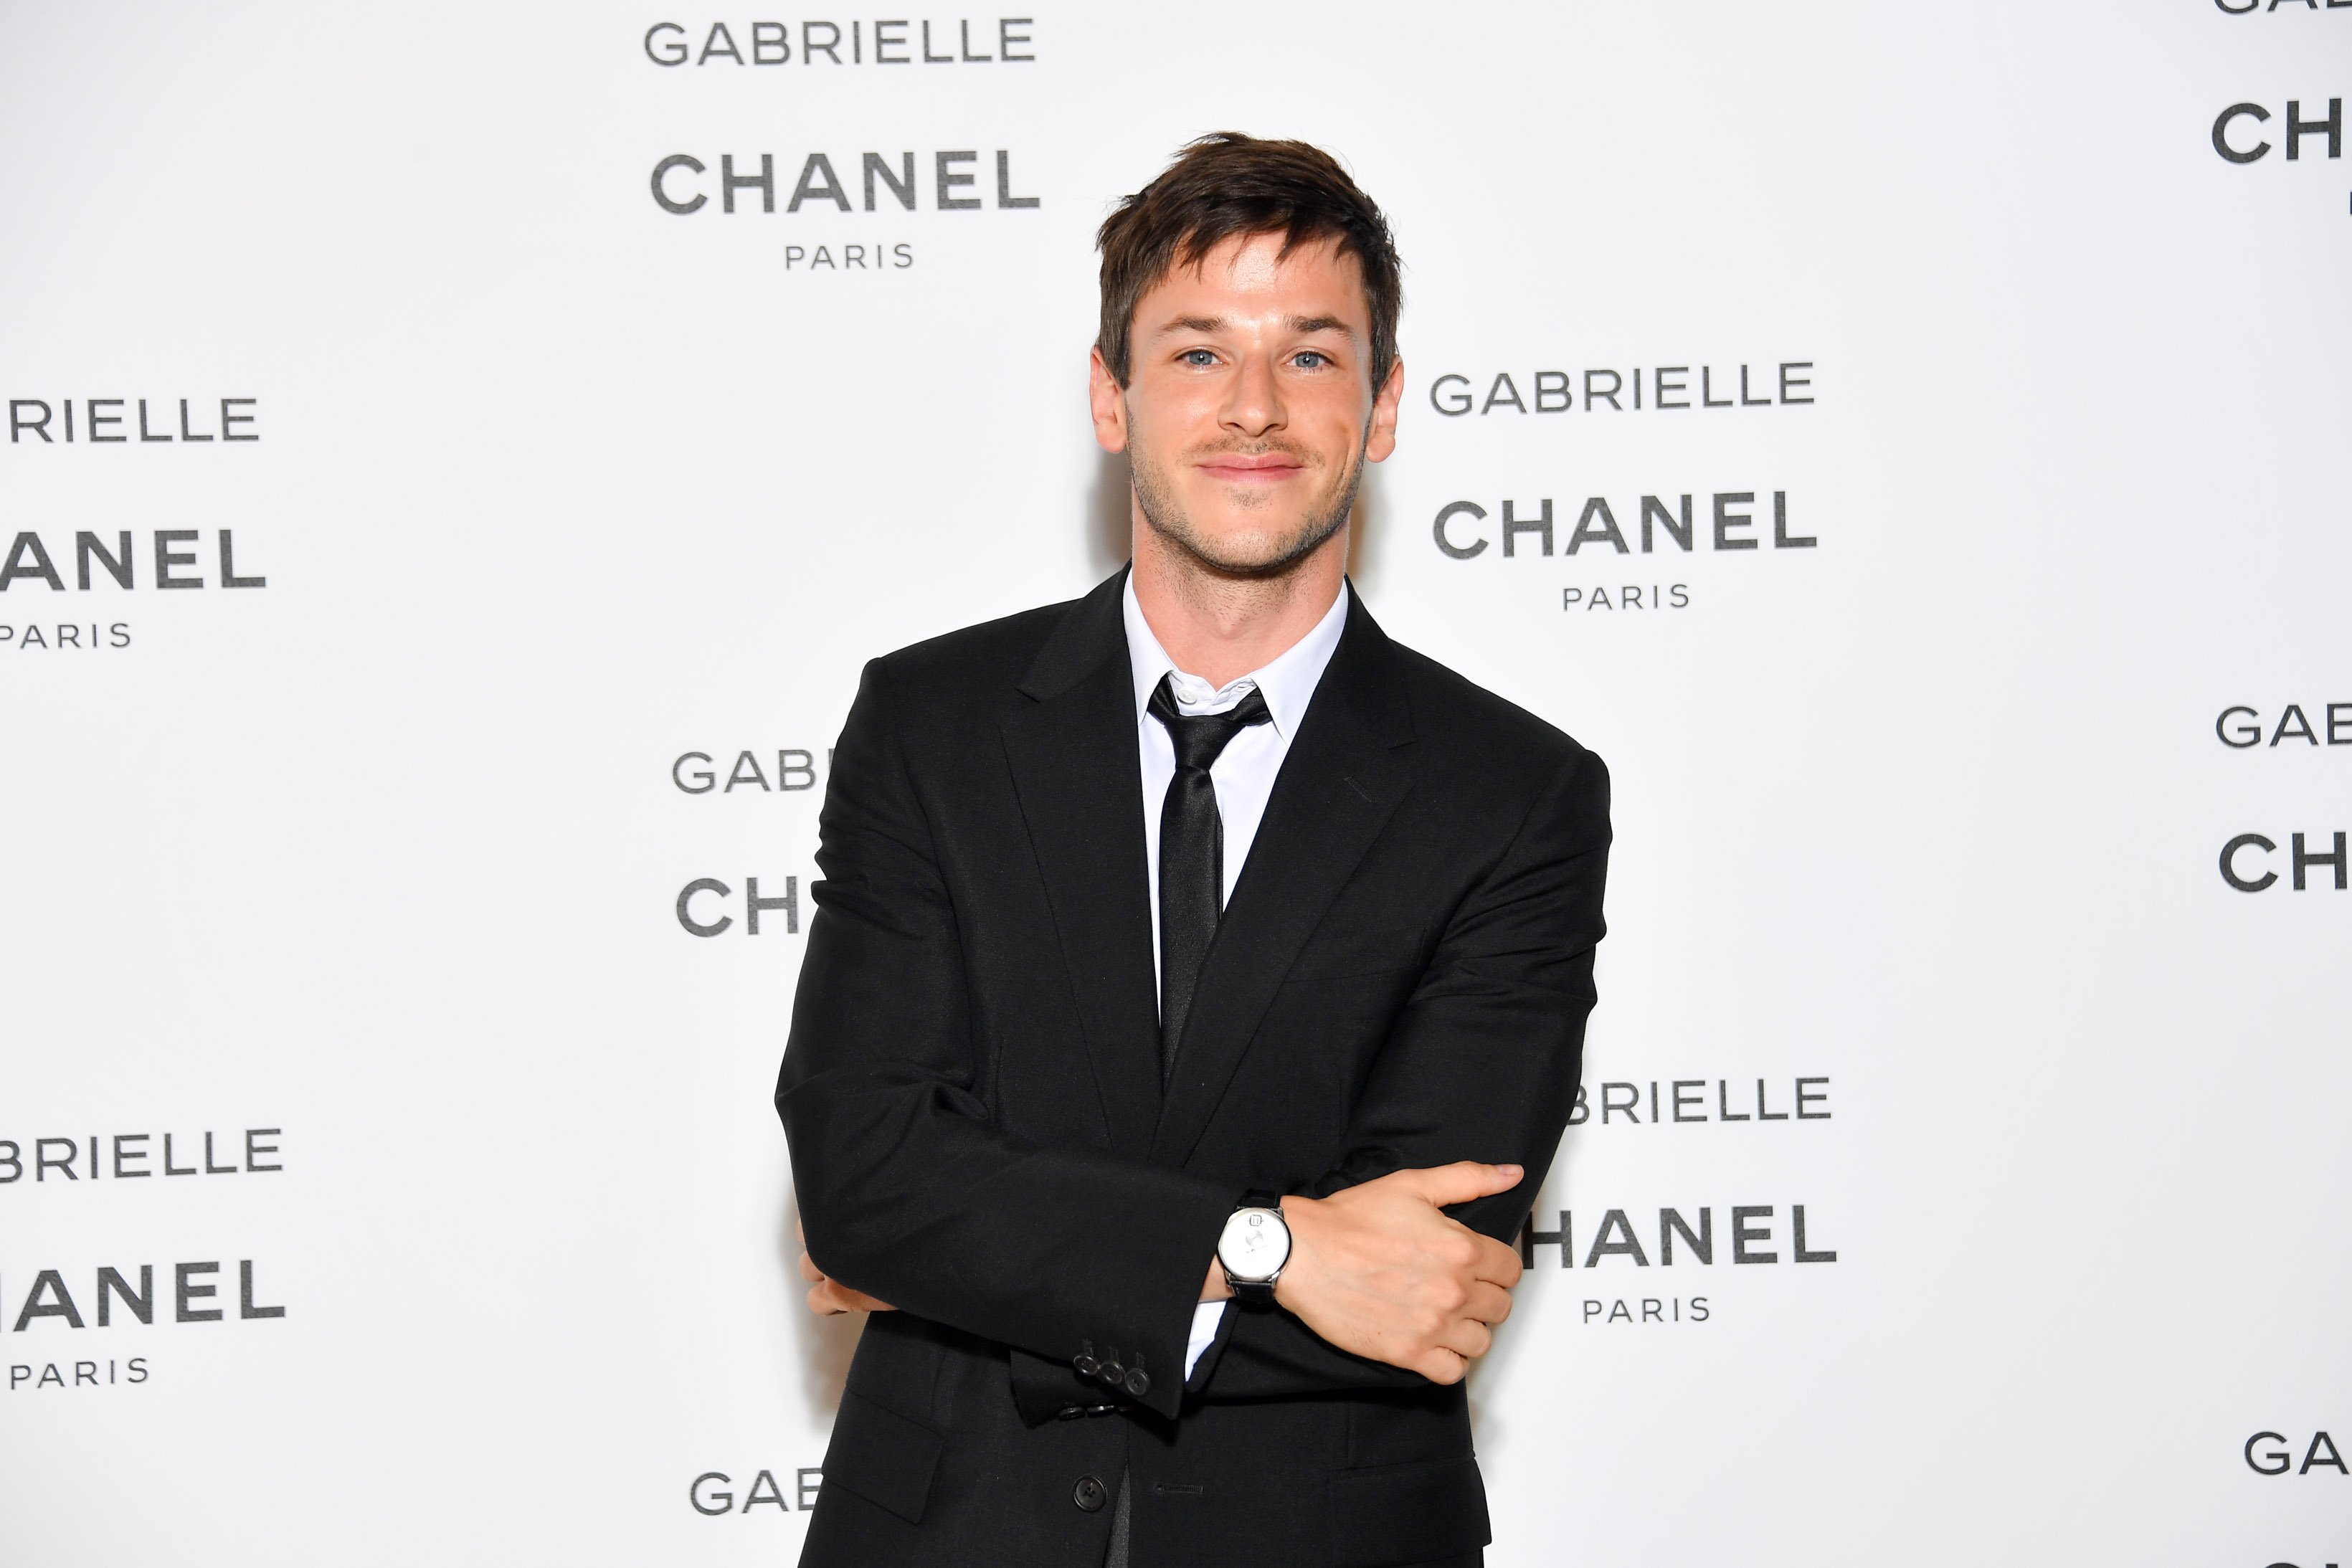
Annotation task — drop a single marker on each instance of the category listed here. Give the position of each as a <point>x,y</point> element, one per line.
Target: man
<point>1198,981</point>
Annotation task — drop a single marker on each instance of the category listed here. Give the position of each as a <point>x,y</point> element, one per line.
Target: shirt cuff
<point>1205,1319</point>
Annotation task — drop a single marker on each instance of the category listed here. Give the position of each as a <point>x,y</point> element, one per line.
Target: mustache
<point>1305,458</point>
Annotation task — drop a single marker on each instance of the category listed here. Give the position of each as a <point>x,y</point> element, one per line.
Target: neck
<point>1221,627</point>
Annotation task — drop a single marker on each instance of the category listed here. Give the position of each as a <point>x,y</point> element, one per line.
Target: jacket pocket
<point>882,1457</point>
<point>1407,1513</point>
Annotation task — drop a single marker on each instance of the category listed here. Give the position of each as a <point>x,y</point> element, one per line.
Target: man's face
<point>1249,412</point>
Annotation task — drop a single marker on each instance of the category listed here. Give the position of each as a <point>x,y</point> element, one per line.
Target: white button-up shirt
<point>1244,773</point>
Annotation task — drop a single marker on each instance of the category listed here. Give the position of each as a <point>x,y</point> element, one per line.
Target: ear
<point>1110,404</point>
<point>1381,439</point>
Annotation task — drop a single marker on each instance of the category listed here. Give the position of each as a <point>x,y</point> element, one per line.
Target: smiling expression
<point>1250,411</point>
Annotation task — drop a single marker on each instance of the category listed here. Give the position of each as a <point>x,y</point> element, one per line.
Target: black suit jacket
<point>978,1135</point>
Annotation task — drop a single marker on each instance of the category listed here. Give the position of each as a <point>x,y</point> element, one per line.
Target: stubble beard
<point>1165,516</point>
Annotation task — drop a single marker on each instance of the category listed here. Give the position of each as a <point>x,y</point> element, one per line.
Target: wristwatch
<point>1255,1246</point>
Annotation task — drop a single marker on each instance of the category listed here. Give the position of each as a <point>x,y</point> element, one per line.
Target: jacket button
<point>1139,1381</point>
<point>1090,1494</point>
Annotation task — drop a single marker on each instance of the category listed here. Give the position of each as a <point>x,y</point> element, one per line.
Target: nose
<point>1253,399</point>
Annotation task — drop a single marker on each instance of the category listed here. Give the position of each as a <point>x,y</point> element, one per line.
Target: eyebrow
<point>1301,324</point>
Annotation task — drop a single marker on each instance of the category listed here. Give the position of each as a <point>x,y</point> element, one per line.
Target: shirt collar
<point>1286,682</point>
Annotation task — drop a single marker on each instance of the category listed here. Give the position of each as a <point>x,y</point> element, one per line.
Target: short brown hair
<point>1226,184</point>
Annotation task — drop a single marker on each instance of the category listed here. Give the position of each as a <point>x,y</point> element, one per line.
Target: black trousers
<point>1116,1555</point>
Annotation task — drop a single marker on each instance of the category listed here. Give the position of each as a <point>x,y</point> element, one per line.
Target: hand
<point>831,1298</point>
<point>1377,1269</point>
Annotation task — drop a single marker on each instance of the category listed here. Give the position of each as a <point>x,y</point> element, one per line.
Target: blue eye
<point>1310,359</point>
<point>1200,357</point>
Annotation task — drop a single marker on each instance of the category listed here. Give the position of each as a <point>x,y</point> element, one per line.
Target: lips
<point>1246,468</point>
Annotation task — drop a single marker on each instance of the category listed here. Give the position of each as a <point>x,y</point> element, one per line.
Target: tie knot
<point>1200,737</point>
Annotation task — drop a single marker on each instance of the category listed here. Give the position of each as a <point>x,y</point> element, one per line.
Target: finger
<point>841,1298</point>
<point>1467,1338</point>
<point>1497,1264</point>
<point>808,1271</point>
<point>1488,1304</point>
<point>1440,1366</point>
<point>820,1301</point>
<point>1462,1181</point>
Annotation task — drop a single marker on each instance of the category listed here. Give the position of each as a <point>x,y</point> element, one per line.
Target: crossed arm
<point>1378,1270</point>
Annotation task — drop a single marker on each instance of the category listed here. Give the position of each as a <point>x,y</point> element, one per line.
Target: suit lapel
<point>1346,771</point>
<point>1079,779</point>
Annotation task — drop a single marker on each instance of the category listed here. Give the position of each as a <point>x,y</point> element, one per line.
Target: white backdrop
<point>553,488</point>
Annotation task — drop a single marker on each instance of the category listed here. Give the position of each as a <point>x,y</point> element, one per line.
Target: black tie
<point>1192,853</point>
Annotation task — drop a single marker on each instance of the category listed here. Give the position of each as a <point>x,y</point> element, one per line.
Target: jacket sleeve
<point>907,1190</point>
<point>1482,1064</point>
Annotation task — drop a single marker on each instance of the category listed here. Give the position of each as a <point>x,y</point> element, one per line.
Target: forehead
<point>1251,272</point>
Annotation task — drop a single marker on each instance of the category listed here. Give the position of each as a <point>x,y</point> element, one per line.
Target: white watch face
<point>1255,1244</point>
